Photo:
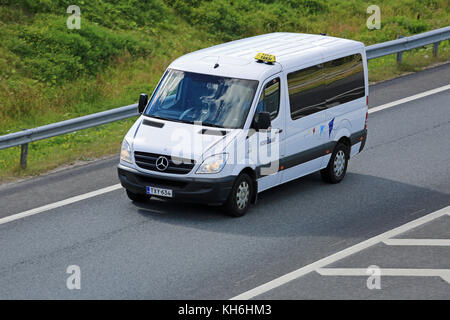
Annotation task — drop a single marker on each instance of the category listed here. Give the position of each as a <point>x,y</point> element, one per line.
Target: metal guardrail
<point>67,126</point>
<point>408,43</point>
<point>24,137</point>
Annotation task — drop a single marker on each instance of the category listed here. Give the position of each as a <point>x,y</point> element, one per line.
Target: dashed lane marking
<point>393,272</point>
<point>417,242</point>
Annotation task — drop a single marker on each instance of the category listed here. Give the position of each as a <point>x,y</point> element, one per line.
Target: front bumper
<point>197,190</point>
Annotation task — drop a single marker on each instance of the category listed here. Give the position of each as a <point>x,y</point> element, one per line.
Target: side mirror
<point>262,121</point>
<point>143,100</point>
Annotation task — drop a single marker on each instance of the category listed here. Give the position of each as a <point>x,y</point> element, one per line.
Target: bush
<point>309,6</point>
<point>113,14</point>
<point>411,26</point>
<point>52,53</point>
<point>236,19</point>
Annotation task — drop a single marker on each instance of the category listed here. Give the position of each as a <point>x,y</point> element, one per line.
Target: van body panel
<point>304,134</point>
<point>274,138</point>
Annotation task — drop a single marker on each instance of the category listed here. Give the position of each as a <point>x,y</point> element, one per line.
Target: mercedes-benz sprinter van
<point>230,121</point>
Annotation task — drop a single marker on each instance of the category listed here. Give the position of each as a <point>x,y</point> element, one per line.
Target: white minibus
<point>230,121</point>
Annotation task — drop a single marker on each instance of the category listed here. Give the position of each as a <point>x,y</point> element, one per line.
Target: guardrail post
<point>436,49</point>
<point>400,54</point>
<point>23,155</point>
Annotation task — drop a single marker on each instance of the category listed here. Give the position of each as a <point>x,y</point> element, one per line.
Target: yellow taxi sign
<point>265,57</point>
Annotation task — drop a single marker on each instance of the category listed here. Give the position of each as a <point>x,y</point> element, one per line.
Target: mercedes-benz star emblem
<point>162,163</point>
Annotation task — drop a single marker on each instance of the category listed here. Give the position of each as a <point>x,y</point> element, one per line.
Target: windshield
<point>212,100</point>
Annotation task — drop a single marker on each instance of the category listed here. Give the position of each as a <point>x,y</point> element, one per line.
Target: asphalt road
<point>163,250</point>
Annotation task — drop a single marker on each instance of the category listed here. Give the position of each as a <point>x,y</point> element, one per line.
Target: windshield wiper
<point>174,120</point>
<point>212,125</point>
<point>189,122</point>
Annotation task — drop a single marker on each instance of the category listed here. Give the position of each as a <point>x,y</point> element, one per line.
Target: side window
<point>344,80</point>
<point>306,91</point>
<point>270,98</point>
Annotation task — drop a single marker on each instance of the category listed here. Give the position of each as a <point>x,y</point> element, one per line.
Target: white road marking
<point>443,273</point>
<point>117,186</point>
<point>417,242</point>
<point>339,255</point>
<point>59,204</point>
<point>408,99</point>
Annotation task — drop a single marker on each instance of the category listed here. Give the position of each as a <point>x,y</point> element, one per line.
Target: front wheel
<point>240,196</point>
<point>337,167</point>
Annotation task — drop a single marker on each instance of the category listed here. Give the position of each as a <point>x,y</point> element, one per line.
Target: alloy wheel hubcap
<point>339,163</point>
<point>242,195</point>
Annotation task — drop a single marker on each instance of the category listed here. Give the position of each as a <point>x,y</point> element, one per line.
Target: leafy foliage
<point>51,52</point>
<point>49,73</point>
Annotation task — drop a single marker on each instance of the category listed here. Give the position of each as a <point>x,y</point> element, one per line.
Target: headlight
<point>125,152</point>
<point>213,164</point>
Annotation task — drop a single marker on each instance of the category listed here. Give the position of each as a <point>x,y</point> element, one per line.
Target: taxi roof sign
<point>270,58</point>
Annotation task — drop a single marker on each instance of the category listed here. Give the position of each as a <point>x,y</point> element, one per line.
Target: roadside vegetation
<point>49,73</point>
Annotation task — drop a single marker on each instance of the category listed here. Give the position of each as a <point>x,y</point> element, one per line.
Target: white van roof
<point>237,58</point>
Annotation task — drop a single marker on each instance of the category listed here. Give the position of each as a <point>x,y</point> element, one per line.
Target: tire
<point>337,167</point>
<point>136,197</point>
<point>240,196</point>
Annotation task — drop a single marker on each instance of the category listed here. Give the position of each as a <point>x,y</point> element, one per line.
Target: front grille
<point>147,161</point>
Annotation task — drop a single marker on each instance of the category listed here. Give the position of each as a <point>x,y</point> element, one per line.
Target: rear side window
<point>326,85</point>
<point>270,98</point>
<point>306,91</point>
<point>344,79</point>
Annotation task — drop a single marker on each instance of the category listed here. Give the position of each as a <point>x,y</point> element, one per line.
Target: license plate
<point>159,192</point>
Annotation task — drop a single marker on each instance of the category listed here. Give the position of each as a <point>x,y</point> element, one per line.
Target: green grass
<point>49,73</point>
<point>74,147</point>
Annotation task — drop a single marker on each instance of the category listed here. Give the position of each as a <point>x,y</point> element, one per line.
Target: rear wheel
<point>240,196</point>
<point>136,197</point>
<point>337,167</point>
